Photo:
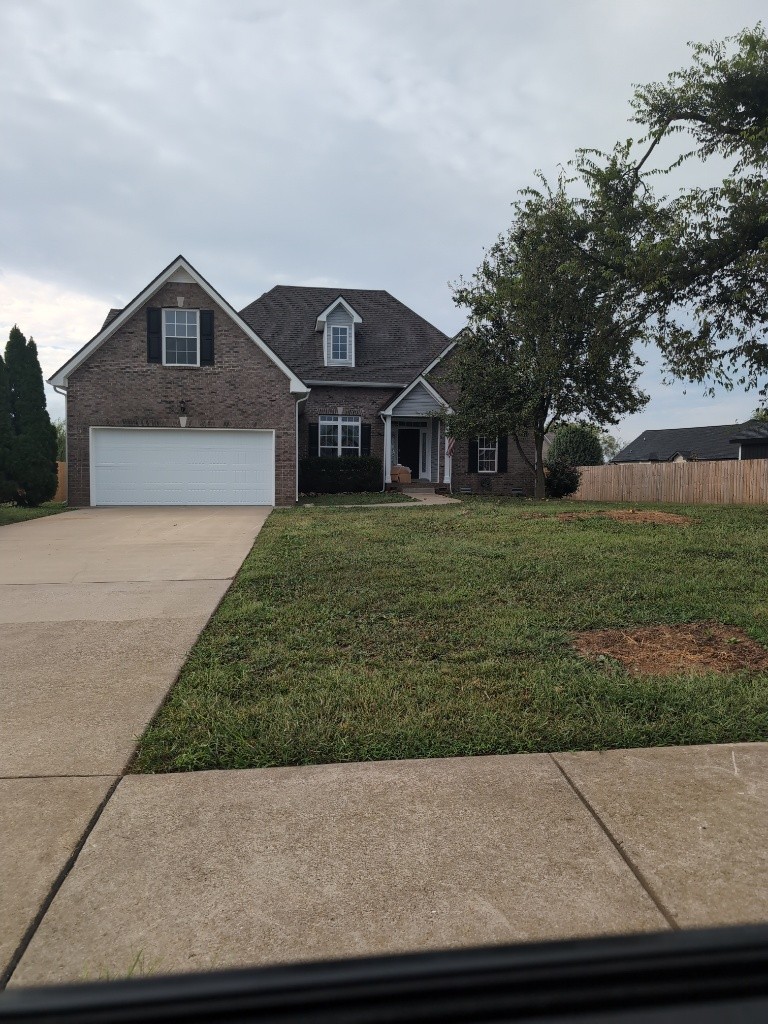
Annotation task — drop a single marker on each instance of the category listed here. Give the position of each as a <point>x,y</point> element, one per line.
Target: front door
<point>408,445</point>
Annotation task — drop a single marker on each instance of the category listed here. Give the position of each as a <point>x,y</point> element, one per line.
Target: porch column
<point>387,449</point>
<point>448,459</point>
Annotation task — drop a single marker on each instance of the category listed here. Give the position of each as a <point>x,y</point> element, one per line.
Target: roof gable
<point>356,318</point>
<point>417,389</point>
<point>180,270</point>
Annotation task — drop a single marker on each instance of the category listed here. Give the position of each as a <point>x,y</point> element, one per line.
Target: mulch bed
<point>670,650</point>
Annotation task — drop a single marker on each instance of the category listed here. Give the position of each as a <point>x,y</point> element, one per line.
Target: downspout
<point>296,433</point>
<point>63,392</point>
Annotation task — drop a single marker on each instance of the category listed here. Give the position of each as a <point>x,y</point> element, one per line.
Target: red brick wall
<point>366,403</point>
<point>117,387</point>
<point>518,476</point>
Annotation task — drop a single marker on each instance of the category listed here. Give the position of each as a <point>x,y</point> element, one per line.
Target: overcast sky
<point>358,143</point>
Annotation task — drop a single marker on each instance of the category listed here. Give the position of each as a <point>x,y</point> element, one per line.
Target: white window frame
<point>349,359</point>
<point>484,445</point>
<point>172,309</point>
<point>347,343</point>
<point>339,422</point>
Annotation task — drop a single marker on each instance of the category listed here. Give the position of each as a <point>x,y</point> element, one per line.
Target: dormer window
<point>337,323</point>
<point>339,344</point>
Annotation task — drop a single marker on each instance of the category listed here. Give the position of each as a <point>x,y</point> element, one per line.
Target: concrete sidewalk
<point>98,611</point>
<point>215,869</point>
<point>427,497</point>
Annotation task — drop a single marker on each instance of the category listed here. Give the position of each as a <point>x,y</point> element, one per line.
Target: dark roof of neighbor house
<point>754,432</point>
<point>707,443</point>
<point>392,344</point>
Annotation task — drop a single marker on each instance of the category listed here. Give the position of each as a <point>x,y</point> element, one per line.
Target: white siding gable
<point>418,402</point>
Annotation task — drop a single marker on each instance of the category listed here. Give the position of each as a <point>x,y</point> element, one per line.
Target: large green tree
<point>550,330</point>
<point>33,461</point>
<point>702,265</point>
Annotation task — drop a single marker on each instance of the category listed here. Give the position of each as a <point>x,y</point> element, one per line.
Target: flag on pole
<point>450,446</point>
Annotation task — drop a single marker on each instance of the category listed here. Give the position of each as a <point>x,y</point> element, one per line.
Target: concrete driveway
<point>98,611</point>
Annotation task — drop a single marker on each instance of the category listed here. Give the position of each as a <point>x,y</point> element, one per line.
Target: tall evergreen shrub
<point>8,486</point>
<point>33,460</point>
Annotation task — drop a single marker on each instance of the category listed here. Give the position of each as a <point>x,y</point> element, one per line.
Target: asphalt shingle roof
<point>392,344</point>
<point>755,432</point>
<point>110,317</point>
<point>708,443</point>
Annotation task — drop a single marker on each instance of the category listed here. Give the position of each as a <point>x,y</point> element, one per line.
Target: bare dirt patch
<point>669,650</point>
<point>630,515</point>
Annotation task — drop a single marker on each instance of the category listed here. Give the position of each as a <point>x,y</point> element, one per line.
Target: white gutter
<point>296,433</point>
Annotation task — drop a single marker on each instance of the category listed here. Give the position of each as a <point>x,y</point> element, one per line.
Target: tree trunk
<point>540,487</point>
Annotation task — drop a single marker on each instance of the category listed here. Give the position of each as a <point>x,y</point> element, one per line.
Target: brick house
<point>181,400</point>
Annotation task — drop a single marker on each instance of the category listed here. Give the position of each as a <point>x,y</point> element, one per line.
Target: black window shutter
<point>472,464</point>
<point>502,461</point>
<point>365,439</point>
<point>314,439</point>
<point>206,337</point>
<point>154,335</point>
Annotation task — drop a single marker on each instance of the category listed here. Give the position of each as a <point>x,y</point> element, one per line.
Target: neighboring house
<point>181,400</point>
<point>695,444</point>
<point>752,440</point>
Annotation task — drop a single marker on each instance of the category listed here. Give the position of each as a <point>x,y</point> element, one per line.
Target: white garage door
<point>182,467</point>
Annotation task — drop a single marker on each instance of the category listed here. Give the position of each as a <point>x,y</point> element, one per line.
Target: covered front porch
<point>414,435</point>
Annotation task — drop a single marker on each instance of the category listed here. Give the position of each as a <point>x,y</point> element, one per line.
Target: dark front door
<point>408,450</point>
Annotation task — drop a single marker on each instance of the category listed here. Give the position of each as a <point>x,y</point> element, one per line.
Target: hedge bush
<point>319,475</point>
<point>561,480</point>
<point>576,444</point>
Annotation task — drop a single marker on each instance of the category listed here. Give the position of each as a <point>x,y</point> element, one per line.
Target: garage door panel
<point>182,467</point>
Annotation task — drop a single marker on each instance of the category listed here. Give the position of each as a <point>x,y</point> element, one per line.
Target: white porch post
<point>448,463</point>
<point>387,449</point>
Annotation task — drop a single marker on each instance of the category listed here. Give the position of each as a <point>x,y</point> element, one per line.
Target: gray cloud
<point>372,143</point>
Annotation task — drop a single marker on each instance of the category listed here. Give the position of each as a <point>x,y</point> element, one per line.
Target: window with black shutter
<point>154,335</point>
<point>472,463</point>
<point>365,439</point>
<point>503,446</point>
<point>206,337</point>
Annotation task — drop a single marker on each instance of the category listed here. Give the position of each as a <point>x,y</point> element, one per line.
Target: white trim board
<point>439,358</point>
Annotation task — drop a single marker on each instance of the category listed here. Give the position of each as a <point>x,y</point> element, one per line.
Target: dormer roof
<point>340,301</point>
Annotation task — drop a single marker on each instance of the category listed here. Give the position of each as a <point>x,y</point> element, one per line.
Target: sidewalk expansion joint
<point>63,775</point>
<point>639,876</point>
<point>57,884</point>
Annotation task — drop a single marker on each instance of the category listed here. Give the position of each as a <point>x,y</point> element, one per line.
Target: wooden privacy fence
<point>61,488</point>
<point>689,483</point>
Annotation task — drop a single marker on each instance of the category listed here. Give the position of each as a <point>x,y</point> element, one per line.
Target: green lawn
<point>15,514</point>
<point>372,637</point>
<point>358,498</point>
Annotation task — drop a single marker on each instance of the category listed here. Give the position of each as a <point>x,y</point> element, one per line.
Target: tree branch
<point>523,456</point>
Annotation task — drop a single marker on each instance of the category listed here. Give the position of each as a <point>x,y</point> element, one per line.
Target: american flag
<point>450,446</point>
